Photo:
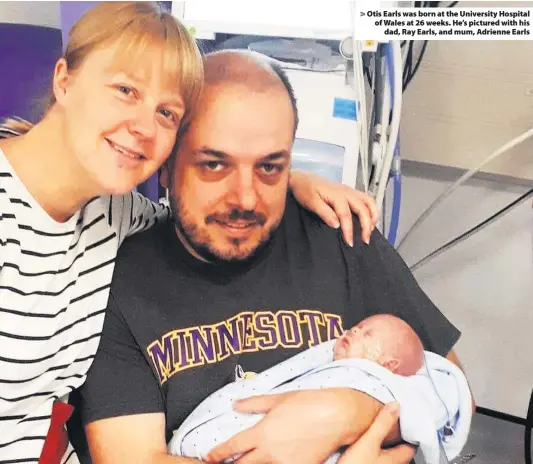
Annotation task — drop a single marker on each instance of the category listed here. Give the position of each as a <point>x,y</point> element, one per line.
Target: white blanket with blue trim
<point>435,404</point>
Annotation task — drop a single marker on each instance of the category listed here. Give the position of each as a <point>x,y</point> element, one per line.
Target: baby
<point>377,347</point>
<point>384,339</point>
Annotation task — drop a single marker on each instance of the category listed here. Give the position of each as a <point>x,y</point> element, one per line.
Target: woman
<point>128,79</point>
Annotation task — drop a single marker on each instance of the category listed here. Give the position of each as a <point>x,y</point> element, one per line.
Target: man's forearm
<point>134,438</point>
<point>153,458</point>
<point>160,458</point>
<point>366,409</point>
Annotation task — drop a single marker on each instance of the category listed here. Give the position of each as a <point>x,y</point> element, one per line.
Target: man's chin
<point>220,248</point>
<point>231,248</point>
<point>230,254</point>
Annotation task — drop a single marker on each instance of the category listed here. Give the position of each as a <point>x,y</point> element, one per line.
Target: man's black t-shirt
<point>177,328</point>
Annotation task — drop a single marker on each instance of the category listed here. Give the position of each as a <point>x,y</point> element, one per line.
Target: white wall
<point>484,285</point>
<point>468,98</point>
<point>38,13</point>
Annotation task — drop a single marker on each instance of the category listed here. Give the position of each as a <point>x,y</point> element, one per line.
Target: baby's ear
<point>392,364</point>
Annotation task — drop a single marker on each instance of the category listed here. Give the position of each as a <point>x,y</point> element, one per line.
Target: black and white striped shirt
<point>54,286</point>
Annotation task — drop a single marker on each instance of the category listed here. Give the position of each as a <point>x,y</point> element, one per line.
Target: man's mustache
<point>235,215</point>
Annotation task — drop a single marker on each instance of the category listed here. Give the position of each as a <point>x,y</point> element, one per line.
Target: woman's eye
<point>125,90</point>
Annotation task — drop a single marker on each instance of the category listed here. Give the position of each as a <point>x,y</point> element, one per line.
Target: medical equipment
<point>318,20</point>
<point>335,134</point>
<point>394,56</point>
<point>303,54</point>
<point>346,130</point>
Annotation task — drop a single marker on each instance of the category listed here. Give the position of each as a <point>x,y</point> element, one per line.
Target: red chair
<point>56,441</point>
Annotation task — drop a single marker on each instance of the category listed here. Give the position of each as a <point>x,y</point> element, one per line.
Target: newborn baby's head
<point>385,339</point>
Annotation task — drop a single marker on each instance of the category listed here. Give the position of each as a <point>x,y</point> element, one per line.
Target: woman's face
<point>120,123</point>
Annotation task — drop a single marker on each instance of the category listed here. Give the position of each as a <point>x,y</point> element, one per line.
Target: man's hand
<point>335,203</point>
<point>300,427</point>
<point>368,449</point>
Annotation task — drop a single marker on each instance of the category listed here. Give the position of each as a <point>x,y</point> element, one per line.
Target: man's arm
<point>133,439</point>
<point>122,405</point>
<point>309,424</point>
<point>368,449</point>
<point>367,409</point>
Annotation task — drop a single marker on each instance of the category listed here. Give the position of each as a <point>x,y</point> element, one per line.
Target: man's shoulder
<point>142,251</point>
<point>326,244</point>
<point>313,226</point>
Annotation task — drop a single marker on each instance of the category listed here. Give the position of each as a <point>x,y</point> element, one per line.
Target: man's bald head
<point>253,71</point>
<point>239,67</point>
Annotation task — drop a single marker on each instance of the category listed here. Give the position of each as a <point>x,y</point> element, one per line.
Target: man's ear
<point>60,80</point>
<point>392,364</point>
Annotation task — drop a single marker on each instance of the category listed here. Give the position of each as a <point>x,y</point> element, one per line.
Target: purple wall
<point>70,13</point>
<point>27,62</point>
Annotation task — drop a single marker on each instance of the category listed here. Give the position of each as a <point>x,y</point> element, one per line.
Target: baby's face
<point>361,341</point>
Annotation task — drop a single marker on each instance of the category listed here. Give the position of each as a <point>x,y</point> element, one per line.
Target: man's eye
<point>213,166</point>
<point>167,114</point>
<point>270,168</point>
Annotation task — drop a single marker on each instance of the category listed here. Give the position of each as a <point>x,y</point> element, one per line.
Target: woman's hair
<point>9,127</point>
<point>139,28</point>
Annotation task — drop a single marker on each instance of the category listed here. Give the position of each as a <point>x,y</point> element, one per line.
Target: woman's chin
<point>119,185</point>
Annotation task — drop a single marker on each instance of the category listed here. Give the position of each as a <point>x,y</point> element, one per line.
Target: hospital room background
<point>439,132</point>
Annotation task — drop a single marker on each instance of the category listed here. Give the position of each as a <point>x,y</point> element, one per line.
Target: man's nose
<point>243,191</point>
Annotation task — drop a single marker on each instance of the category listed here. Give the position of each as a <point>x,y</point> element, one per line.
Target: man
<point>244,278</point>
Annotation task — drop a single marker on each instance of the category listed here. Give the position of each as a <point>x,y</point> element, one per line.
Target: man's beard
<point>200,242</point>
